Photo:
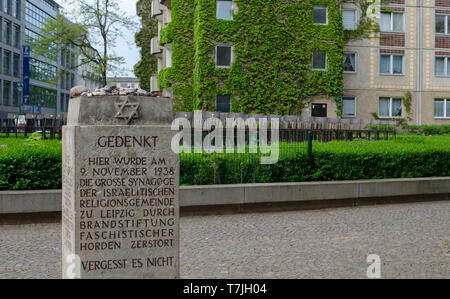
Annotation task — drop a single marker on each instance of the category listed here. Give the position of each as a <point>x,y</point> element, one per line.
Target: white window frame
<point>355,20</point>
<point>231,10</point>
<point>390,108</point>
<point>231,57</point>
<point>446,29</point>
<point>446,74</point>
<point>356,63</point>
<point>344,115</point>
<point>391,66</point>
<point>326,62</point>
<point>391,29</point>
<point>168,56</point>
<point>446,102</point>
<point>326,14</point>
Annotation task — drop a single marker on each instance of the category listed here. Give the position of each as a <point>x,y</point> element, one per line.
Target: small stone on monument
<point>77,91</point>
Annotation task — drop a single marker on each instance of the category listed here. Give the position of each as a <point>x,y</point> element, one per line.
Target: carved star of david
<point>127,111</point>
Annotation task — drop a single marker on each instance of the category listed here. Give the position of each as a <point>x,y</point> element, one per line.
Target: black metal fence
<point>240,158</point>
<point>213,164</point>
<point>48,125</point>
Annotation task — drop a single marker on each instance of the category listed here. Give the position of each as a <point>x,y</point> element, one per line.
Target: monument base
<point>120,210</point>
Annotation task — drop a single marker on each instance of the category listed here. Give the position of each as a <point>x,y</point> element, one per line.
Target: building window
<point>223,56</point>
<point>16,9</point>
<point>350,62</point>
<point>442,108</point>
<point>68,81</point>
<point>6,92</point>
<point>319,61</point>
<point>169,57</point>
<point>391,64</point>
<point>391,22</point>
<point>62,99</point>
<point>63,57</point>
<point>7,62</point>
<point>319,110</point>
<point>442,24</point>
<point>42,71</point>
<point>68,60</point>
<point>442,67</point>
<point>349,107</point>
<point>72,80</point>
<point>320,14</point>
<point>31,36</point>
<point>44,97</point>
<point>223,103</point>
<point>67,102</point>
<point>7,6</point>
<point>16,95</point>
<point>35,16</point>
<point>16,65</point>
<point>16,36</point>
<point>62,79</point>
<point>7,32</point>
<point>390,108</point>
<point>224,9</point>
<point>349,19</point>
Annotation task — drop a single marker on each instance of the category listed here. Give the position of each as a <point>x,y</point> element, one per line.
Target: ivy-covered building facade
<point>306,58</point>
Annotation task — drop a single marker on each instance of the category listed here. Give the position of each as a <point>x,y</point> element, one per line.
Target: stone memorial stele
<point>120,206</point>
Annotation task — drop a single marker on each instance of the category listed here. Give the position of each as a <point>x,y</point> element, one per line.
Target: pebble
<point>76,91</point>
<point>108,91</point>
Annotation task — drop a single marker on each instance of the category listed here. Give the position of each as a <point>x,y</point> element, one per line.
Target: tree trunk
<point>104,81</point>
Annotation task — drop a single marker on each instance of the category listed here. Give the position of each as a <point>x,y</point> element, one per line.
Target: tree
<point>94,31</point>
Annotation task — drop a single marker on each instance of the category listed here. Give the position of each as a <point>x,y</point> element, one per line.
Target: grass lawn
<point>13,145</point>
<point>402,143</point>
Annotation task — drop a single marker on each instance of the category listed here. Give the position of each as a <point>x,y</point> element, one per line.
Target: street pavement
<point>412,241</point>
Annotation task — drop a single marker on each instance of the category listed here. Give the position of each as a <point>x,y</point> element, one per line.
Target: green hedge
<point>327,167</point>
<point>37,165</point>
<point>428,129</point>
<point>30,165</point>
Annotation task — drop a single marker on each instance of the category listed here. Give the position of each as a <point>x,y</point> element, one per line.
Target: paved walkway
<point>412,241</point>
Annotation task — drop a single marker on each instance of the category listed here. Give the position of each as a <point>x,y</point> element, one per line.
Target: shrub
<point>33,165</point>
<point>30,164</point>
<point>428,129</point>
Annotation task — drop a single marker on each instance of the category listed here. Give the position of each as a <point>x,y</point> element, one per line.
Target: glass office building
<point>52,75</point>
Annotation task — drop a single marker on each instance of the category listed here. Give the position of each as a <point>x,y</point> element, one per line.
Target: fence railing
<point>296,137</point>
<point>237,159</point>
<point>48,125</point>
<point>323,129</point>
<point>292,128</point>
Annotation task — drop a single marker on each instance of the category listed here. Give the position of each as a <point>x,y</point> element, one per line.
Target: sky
<point>125,48</point>
<point>128,48</point>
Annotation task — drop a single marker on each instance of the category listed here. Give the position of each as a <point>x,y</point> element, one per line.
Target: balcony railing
<point>157,11</point>
<point>155,48</point>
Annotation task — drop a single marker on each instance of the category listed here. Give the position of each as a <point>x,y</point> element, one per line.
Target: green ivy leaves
<point>273,44</point>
